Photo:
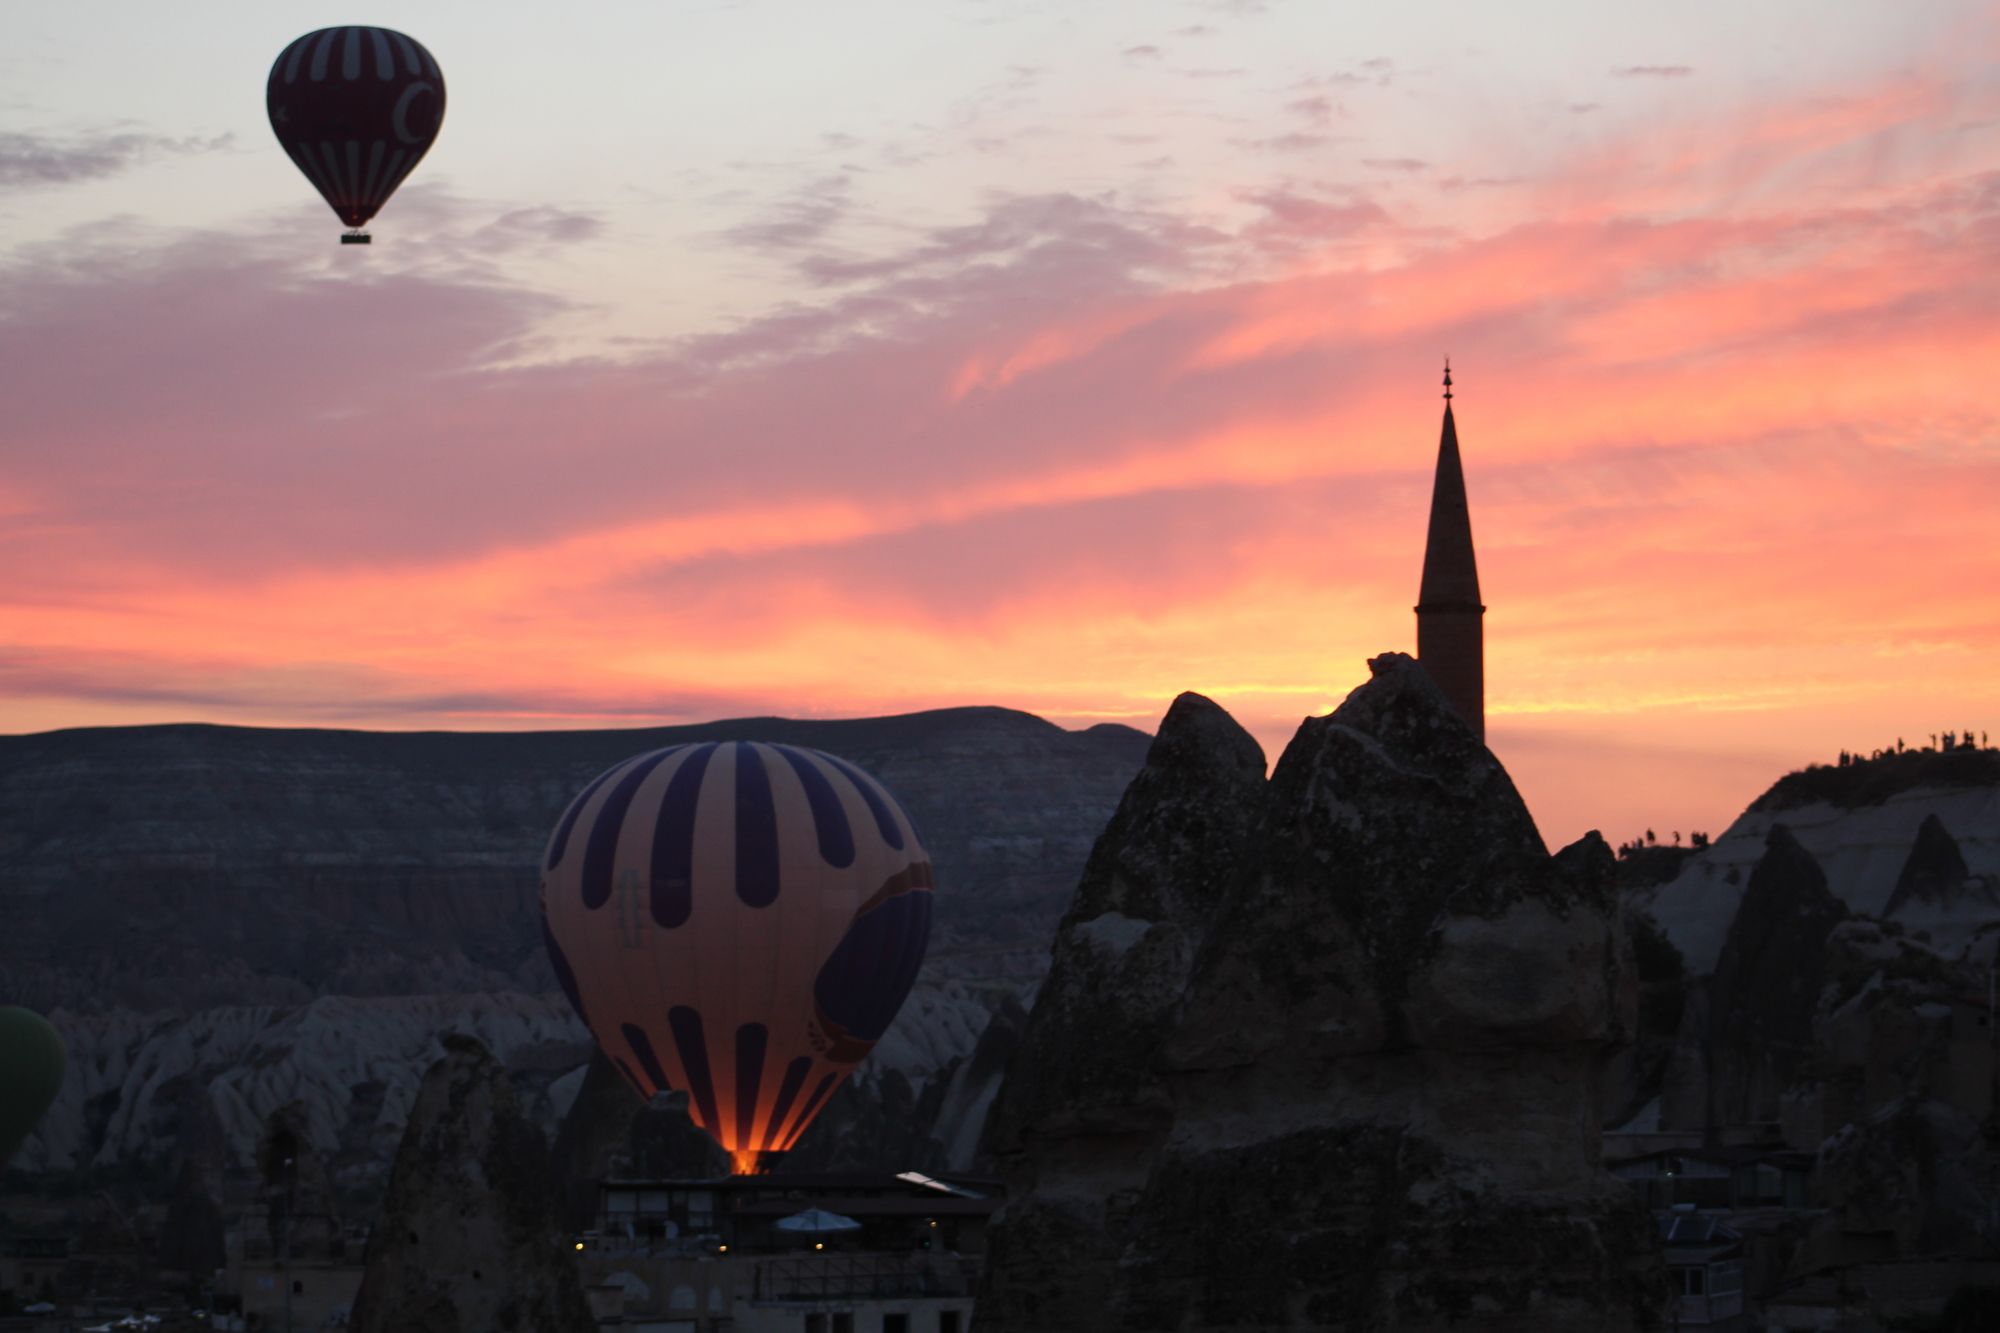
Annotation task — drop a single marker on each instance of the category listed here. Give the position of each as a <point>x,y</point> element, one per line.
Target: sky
<point>783,358</point>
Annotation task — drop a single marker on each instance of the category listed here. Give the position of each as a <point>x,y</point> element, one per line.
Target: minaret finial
<point>1447,379</point>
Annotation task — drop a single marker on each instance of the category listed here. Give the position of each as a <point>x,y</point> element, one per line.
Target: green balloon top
<point>32,1063</point>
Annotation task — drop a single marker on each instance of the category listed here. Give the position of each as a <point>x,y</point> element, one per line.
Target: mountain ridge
<point>189,897</point>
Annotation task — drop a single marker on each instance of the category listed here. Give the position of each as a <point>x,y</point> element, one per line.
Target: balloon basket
<point>356,238</point>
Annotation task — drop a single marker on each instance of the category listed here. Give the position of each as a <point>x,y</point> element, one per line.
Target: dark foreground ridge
<point>1318,1052</point>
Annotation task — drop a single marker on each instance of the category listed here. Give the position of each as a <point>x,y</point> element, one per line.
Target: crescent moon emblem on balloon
<point>397,120</point>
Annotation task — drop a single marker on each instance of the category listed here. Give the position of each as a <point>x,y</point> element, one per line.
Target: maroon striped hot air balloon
<point>356,108</point>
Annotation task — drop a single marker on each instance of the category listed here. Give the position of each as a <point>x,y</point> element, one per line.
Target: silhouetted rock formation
<point>1320,1052</point>
<point>1086,1090</point>
<point>1899,1098</point>
<point>191,1236</point>
<point>468,1240</point>
<point>1633,1075</point>
<point>302,1218</point>
<point>1935,871</point>
<point>1767,983</point>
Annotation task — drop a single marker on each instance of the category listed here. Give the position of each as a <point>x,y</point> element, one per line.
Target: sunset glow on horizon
<point>1068,359</point>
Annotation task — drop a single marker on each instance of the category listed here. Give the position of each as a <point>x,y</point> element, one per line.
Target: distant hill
<point>184,866</point>
<point>226,920</point>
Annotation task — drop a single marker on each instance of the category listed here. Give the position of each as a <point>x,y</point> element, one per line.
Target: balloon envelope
<point>356,108</point>
<point>739,920</point>
<point>32,1064</point>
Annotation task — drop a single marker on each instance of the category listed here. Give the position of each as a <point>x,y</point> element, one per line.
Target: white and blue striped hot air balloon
<point>740,920</point>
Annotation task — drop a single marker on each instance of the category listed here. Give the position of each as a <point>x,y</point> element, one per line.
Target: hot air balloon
<point>740,921</point>
<point>356,108</point>
<point>31,1073</point>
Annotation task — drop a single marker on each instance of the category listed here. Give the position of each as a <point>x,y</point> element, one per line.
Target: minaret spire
<point>1450,634</point>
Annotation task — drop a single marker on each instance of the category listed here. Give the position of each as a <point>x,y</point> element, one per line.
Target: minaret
<point>1450,641</point>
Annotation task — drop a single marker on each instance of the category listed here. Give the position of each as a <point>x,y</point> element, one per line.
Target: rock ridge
<point>469,1239</point>
<point>1345,1075</point>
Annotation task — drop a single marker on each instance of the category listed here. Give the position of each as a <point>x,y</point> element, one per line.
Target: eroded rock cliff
<point>1767,984</point>
<point>1086,1105</point>
<point>469,1240</point>
<point>1320,1052</point>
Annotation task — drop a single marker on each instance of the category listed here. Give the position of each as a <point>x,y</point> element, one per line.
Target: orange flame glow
<point>746,1162</point>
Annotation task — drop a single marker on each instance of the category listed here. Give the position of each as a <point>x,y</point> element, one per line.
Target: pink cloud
<point>1733,468</point>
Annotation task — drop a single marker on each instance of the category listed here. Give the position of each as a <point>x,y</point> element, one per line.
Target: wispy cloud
<point>1298,141</point>
<point>801,220</point>
<point>1318,108</point>
<point>540,226</point>
<point>1653,71</point>
<point>28,160</point>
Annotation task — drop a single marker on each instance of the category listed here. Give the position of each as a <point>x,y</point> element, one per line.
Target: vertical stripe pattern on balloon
<point>778,912</point>
<point>353,117</point>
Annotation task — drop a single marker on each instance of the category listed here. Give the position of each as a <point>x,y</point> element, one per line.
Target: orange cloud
<point>1733,467</point>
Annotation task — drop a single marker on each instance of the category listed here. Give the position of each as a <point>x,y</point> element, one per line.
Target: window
<point>843,1323</point>
<point>298,1287</point>
<point>948,1321</point>
<point>815,1323</point>
<point>1691,1283</point>
<point>895,1323</point>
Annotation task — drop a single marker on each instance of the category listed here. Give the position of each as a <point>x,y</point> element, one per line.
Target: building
<point>1726,1178</point>
<point>310,1293</point>
<point>708,1256</point>
<point>1450,627</point>
<point>31,1264</point>
<point>312,1285</point>
<point>1704,1270</point>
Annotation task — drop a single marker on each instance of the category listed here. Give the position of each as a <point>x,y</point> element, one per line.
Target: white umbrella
<point>817,1222</point>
